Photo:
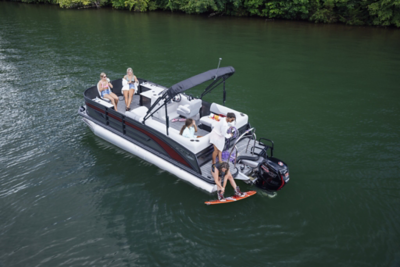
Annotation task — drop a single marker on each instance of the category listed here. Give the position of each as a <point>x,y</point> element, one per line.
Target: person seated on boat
<point>189,128</point>
<point>221,175</point>
<point>104,87</point>
<point>218,135</point>
<point>129,91</point>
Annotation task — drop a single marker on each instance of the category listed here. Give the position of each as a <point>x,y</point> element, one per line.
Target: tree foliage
<point>385,12</point>
<point>351,12</point>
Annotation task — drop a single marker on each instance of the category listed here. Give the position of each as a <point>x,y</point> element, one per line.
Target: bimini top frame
<point>218,75</point>
<point>215,74</point>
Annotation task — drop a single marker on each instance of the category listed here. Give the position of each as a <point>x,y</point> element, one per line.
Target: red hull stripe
<point>96,108</point>
<point>172,153</point>
<point>115,117</point>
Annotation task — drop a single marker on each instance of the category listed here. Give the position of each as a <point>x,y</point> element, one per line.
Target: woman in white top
<point>128,93</point>
<point>218,135</point>
<point>189,128</point>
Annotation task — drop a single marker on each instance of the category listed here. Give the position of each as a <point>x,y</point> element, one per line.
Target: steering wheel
<point>177,98</point>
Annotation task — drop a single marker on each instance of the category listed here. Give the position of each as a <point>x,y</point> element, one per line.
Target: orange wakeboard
<point>231,199</point>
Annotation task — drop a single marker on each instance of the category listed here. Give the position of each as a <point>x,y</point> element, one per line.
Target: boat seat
<point>241,118</point>
<point>246,157</point>
<point>137,114</point>
<point>206,120</point>
<point>189,108</point>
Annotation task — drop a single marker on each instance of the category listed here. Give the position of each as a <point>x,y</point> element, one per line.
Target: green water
<point>326,94</point>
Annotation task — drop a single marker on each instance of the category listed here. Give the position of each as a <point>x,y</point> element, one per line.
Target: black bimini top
<point>215,74</point>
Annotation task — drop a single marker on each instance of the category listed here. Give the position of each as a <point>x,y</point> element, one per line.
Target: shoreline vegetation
<point>349,12</point>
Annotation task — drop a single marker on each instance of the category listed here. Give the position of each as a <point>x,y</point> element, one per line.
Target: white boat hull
<point>148,156</point>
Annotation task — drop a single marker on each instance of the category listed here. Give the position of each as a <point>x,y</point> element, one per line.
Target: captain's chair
<point>189,109</point>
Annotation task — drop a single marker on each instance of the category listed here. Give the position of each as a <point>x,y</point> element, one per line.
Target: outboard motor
<point>273,174</point>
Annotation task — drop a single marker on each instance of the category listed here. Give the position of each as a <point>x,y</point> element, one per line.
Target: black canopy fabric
<point>182,86</point>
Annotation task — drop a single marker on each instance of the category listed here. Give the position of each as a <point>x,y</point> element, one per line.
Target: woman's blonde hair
<point>101,75</point>
<point>129,69</point>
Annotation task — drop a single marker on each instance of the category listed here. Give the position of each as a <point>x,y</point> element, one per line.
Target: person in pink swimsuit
<point>104,87</point>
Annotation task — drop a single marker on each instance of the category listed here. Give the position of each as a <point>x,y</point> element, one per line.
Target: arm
<point>195,126</point>
<point>224,129</point>
<point>216,180</point>
<point>99,86</point>
<point>136,80</point>
<point>225,180</point>
<point>109,84</point>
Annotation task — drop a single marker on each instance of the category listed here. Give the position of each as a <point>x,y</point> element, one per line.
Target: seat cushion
<point>241,118</point>
<point>206,120</point>
<point>189,109</point>
<point>183,110</point>
<point>137,113</point>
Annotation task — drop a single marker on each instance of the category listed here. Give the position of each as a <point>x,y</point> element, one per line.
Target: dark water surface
<point>328,95</point>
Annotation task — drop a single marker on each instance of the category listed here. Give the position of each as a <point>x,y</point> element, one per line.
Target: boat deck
<point>177,125</point>
<point>134,104</point>
<point>241,146</point>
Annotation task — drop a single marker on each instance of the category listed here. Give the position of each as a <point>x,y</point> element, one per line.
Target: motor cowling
<point>273,174</point>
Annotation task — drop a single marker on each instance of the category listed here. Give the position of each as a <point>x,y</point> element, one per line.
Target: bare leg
<point>231,180</point>
<point>115,99</point>
<point>112,101</point>
<point>130,96</point>
<point>217,180</point>
<point>220,156</point>
<point>126,96</point>
<point>214,154</point>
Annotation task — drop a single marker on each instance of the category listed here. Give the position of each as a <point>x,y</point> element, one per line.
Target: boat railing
<point>234,147</point>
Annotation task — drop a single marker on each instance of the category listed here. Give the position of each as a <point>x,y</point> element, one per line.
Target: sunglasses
<point>104,76</point>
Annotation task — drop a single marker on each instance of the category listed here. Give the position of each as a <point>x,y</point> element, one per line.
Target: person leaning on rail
<point>129,89</point>
<point>104,86</point>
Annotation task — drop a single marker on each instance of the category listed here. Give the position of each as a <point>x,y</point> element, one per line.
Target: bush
<point>351,12</point>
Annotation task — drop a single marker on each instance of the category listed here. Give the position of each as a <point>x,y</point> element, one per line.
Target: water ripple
<point>69,198</point>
